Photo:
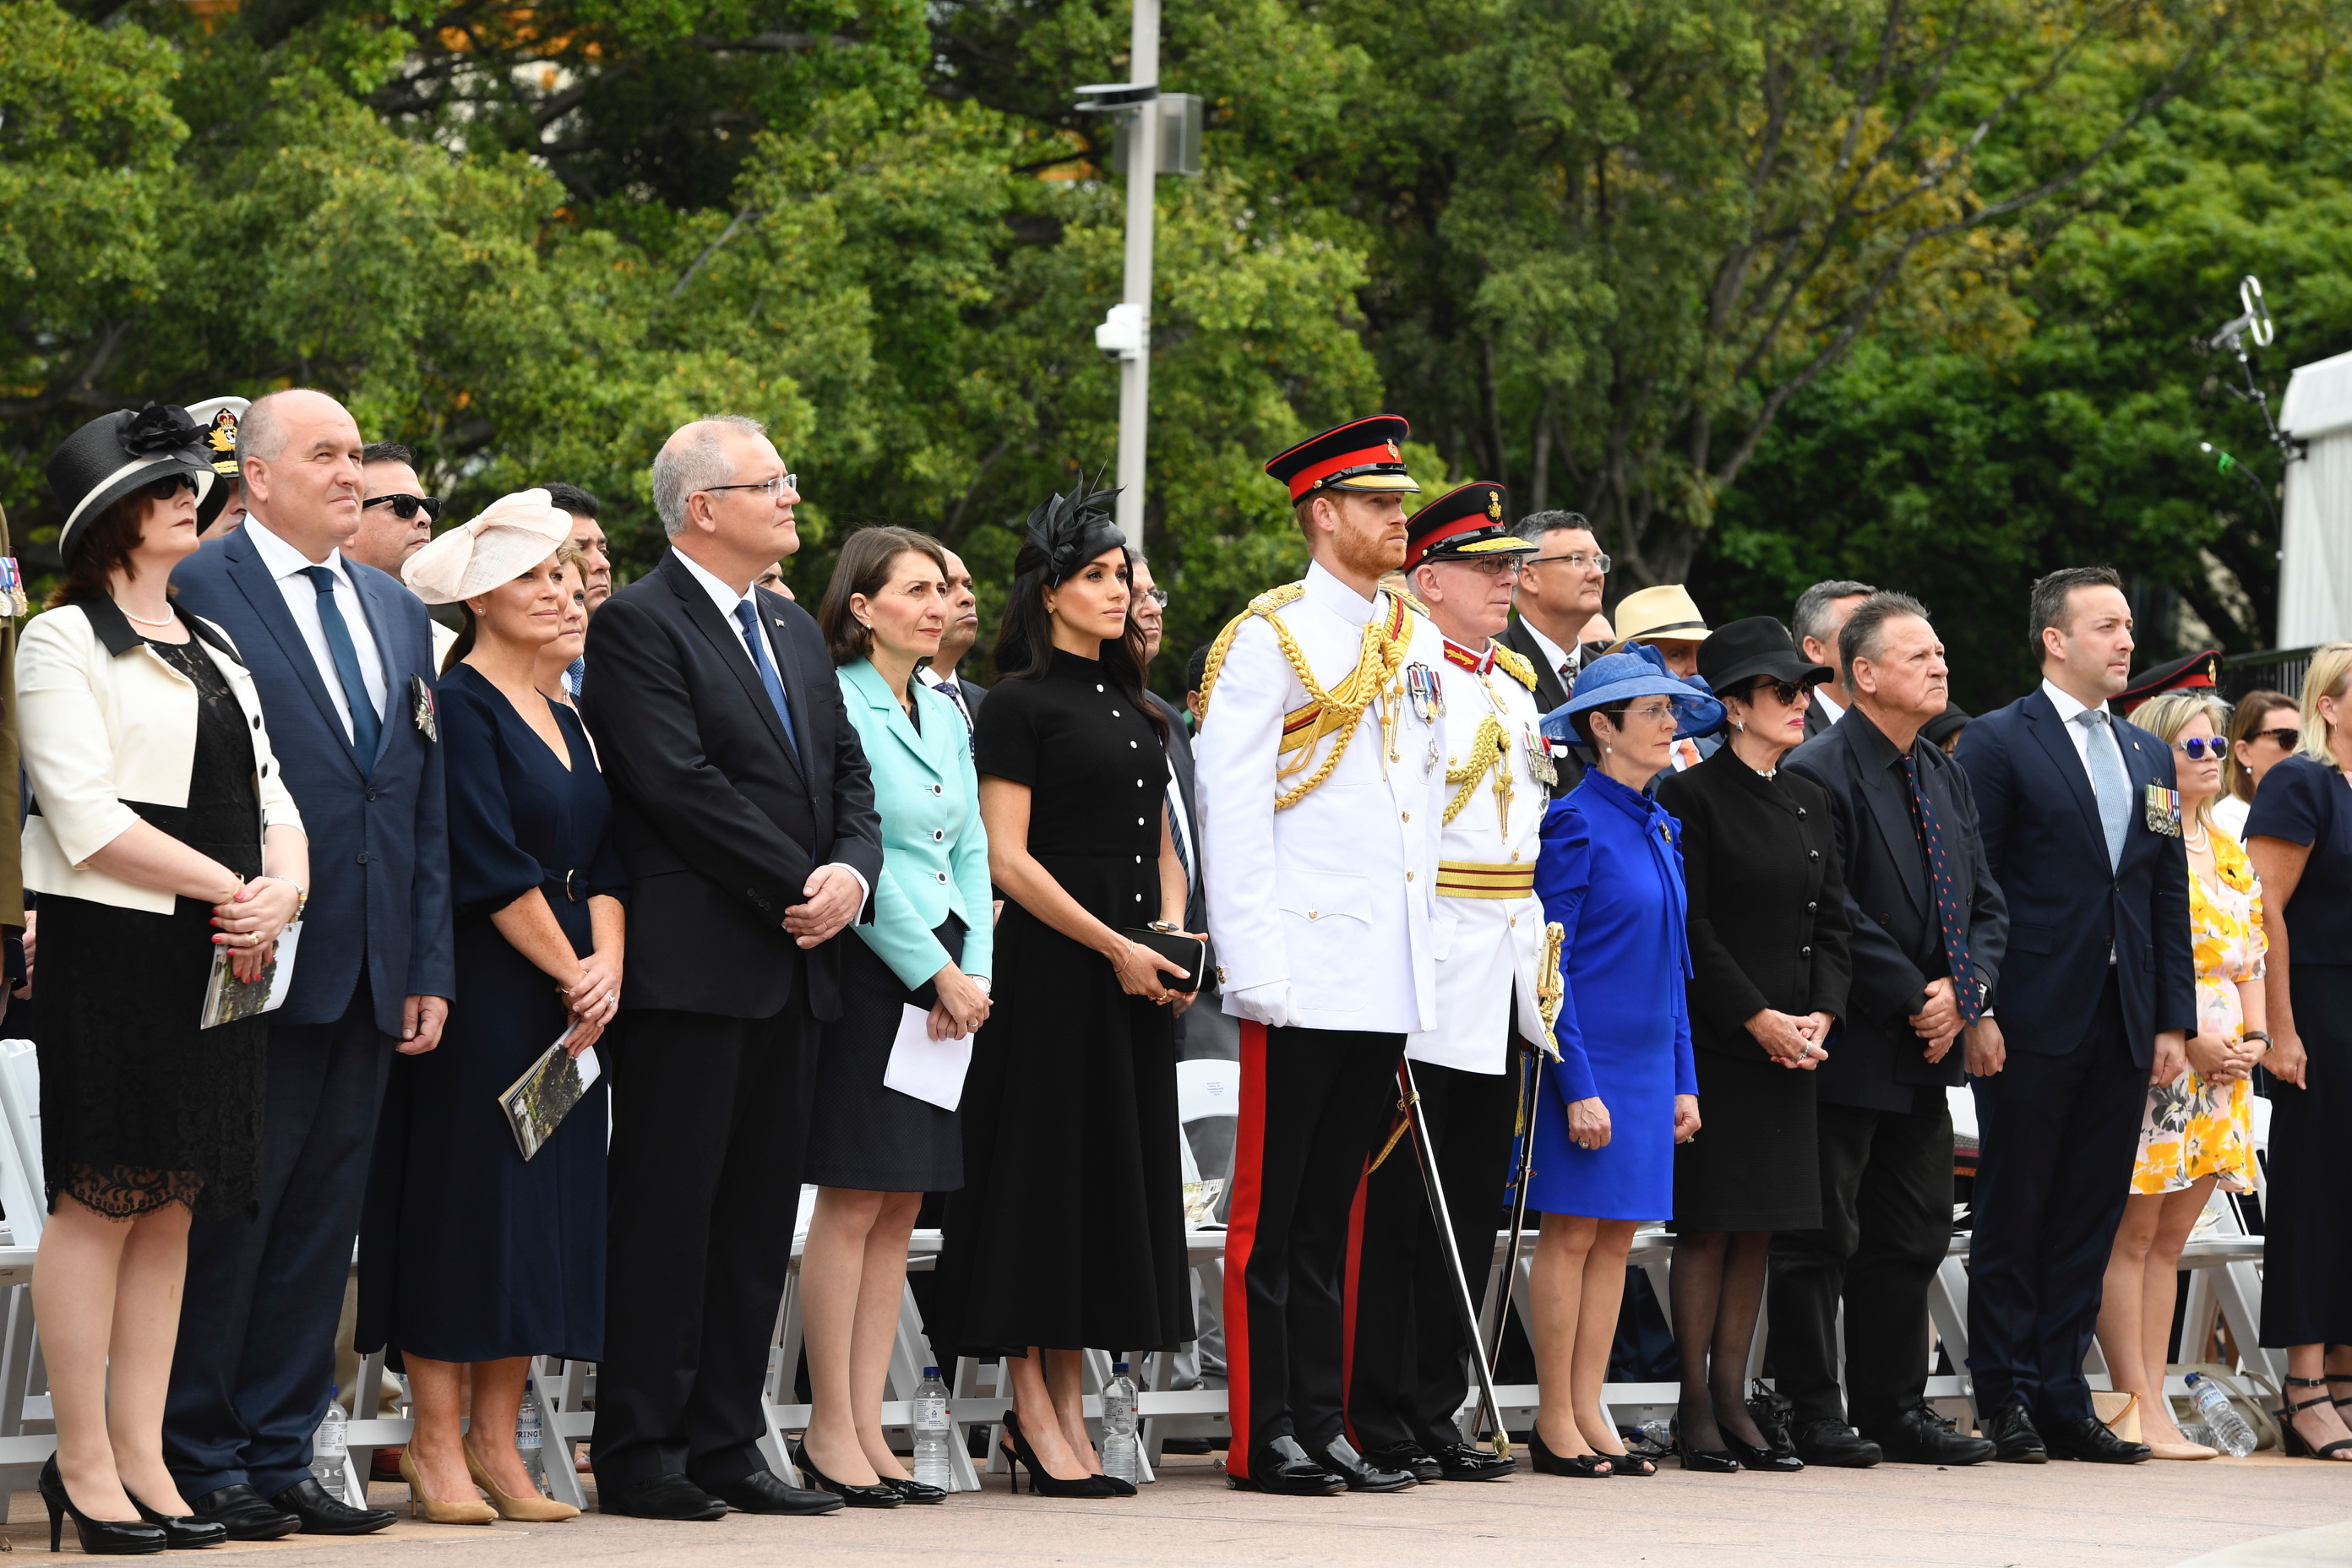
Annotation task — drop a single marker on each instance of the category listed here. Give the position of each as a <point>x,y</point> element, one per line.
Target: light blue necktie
<point>367,727</point>
<point>757,646</point>
<point>575,674</point>
<point>2108,780</point>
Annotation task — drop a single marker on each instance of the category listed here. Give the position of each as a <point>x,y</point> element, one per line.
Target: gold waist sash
<point>1478,879</point>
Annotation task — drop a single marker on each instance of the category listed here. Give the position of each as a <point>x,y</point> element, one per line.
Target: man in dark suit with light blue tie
<point>343,658</point>
<point>2081,821</point>
<point>743,809</point>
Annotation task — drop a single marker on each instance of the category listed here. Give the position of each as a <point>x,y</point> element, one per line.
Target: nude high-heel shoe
<point>473,1510</point>
<point>532,1509</point>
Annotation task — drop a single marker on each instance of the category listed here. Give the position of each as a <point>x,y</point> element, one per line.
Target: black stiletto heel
<point>850,1492</point>
<point>98,1537</point>
<point>1042,1481</point>
<point>181,1531</point>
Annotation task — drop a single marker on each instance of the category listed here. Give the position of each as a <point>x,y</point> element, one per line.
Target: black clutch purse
<point>1190,953</point>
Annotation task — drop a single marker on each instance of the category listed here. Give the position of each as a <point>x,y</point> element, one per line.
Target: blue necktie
<point>1950,915</point>
<point>366,727</point>
<point>2108,781</point>
<point>575,674</point>
<point>748,618</point>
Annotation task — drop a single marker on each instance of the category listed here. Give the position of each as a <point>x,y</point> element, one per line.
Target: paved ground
<point>2063,1515</point>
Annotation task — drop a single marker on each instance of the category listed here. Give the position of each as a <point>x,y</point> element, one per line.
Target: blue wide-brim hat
<point>1619,677</point>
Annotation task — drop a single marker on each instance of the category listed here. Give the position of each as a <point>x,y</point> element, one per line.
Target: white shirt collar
<point>2063,700</point>
<point>1326,591</point>
<point>1554,655</point>
<point>1832,709</point>
<point>283,560</point>
<point>725,597</point>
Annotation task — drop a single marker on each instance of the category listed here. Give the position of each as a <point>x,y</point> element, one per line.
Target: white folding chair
<point>26,1432</point>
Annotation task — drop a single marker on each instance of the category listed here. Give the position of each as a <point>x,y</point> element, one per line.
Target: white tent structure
<point>2315,536</point>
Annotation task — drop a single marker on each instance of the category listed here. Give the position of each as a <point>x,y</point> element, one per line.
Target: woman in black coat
<point>1770,962</point>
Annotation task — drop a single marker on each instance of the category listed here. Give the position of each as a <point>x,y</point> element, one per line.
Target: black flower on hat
<point>1071,529</point>
<point>159,430</point>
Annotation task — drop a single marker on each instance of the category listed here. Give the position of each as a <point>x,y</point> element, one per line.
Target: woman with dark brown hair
<point>161,836</point>
<point>1070,1230</point>
<point>874,1150</point>
<point>2264,730</point>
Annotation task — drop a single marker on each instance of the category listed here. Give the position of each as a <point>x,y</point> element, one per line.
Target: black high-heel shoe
<point>2293,1444</point>
<point>1586,1467</point>
<point>98,1537</point>
<point>181,1531</point>
<point>1772,1462</point>
<point>1042,1481</point>
<point>1705,1461</point>
<point>878,1496</point>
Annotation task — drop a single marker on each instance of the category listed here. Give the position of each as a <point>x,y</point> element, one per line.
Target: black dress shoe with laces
<point>2088,1438</point>
<point>324,1514</point>
<point>663,1497</point>
<point>1469,1462</point>
<point>764,1491</point>
<point>1921,1436</point>
<point>246,1517</point>
<point>1283,1468</point>
<point>1409,1457</point>
<point>1835,1446</point>
<point>2016,1440</point>
<point>1340,1458</point>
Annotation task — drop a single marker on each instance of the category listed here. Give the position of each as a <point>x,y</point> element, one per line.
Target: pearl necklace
<point>144,621</point>
<point>2198,845</point>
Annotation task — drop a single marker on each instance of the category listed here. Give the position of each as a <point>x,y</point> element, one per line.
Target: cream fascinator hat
<point>513,534</point>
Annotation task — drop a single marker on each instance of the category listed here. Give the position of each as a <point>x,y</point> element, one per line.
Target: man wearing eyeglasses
<point>1558,592</point>
<point>743,810</point>
<point>397,519</point>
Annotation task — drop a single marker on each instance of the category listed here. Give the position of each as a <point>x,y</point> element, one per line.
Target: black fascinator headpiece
<point>1072,530</point>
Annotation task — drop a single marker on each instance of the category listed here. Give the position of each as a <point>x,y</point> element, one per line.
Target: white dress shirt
<point>938,683</point>
<point>287,565</point>
<point>2068,713</point>
<point>1832,709</point>
<point>1563,664</point>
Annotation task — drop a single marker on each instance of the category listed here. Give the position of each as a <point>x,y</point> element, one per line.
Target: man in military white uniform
<point>1320,780</point>
<point>1410,1354</point>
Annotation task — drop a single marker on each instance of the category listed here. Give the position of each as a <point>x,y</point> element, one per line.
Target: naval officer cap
<point>1362,455</point>
<point>1466,524</point>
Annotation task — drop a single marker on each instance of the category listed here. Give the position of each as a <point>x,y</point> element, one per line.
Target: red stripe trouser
<point>1314,1103</point>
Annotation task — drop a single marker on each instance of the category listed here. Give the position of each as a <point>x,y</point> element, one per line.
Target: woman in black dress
<point>1070,1230</point>
<point>161,836</point>
<point>470,1255</point>
<point>2299,837</point>
<point>1768,953</point>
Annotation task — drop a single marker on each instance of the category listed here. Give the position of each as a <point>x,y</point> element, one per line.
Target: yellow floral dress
<point>2192,1129</point>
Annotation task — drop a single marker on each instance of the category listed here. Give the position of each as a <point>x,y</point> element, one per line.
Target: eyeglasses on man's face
<point>406,506</point>
<point>1157,595</point>
<point>2197,748</point>
<point>1578,560</point>
<point>774,488</point>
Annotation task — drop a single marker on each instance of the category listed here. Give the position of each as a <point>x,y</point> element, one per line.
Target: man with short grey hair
<point>743,811</point>
<point>1558,592</point>
<point>1821,610</point>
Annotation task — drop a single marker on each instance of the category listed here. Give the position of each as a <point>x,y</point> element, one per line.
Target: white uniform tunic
<point>1490,931</point>
<point>1335,895</point>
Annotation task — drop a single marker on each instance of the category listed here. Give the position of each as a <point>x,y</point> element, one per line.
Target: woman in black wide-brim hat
<point>161,837</point>
<point>1769,967</point>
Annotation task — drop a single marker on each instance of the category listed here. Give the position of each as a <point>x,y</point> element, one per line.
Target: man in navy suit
<point>2081,822</point>
<point>344,660</point>
<point>744,812</point>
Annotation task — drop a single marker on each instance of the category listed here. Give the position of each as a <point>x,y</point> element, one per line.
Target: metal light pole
<point>1150,122</point>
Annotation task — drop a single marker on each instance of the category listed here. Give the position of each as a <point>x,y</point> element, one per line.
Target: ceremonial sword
<point>1425,1157</point>
<point>1550,994</point>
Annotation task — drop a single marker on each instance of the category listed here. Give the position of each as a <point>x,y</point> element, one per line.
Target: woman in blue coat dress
<point>1625,1091</point>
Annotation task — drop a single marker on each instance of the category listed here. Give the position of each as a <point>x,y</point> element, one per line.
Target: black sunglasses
<point>2198,748</point>
<point>171,485</point>
<point>1788,691</point>
<point>2288,739</point>
<point>406,506</point>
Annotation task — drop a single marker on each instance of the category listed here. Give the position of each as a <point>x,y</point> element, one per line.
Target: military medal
<point>1540,767</point>
<point>1420,687</point>
<point>2164,811</point>
<point>420,709</point>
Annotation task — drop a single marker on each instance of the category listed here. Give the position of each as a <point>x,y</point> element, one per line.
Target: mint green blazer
<point>934,850</point>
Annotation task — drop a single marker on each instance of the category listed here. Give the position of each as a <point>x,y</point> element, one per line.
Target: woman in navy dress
<point>470,1255</point>
<point>1625,1091</point>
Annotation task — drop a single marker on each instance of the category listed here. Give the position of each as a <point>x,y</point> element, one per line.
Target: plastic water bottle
<point>1120,1457</point>
<point>2231,1433</point>
<point>932,1433</point>
<point>331,1447</point>
<point>530,1438</point>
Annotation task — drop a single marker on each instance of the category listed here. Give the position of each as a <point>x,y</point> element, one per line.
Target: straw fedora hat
<point>1662,613</point>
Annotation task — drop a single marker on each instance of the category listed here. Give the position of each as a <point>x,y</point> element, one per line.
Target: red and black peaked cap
<point>1362,455</point>
<point>1466,524</point>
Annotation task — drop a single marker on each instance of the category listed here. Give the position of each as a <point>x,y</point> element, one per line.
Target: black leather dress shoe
<point>2016,1440</point>
<point>663,1497</point>
<point>1835,1446</point>
<point>2088,1438</point>
<point>1361,1475</point>
<point>1283,1468</point>
<point>244,1515</point>
<point>1469,1462</point>
<point>1409,1457</point>
<point>1921,1436</point>
<point>764,1491</point>
<point>322,1514</point>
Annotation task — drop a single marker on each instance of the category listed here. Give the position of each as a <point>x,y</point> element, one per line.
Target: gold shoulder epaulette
<point>1518,666</point>
<point>1266,603</point>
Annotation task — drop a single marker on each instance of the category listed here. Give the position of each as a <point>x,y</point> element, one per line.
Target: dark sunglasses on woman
<point>166,488</point>
<point>2198,748</point>
<point>2288,739</point>
<point>1789,693</point>
<point>406,506</point>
